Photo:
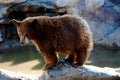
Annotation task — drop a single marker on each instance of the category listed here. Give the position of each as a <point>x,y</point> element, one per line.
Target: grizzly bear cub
<point>67,34</point>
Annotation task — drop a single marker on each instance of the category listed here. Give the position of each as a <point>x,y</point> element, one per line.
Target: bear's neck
<point>36,44</point>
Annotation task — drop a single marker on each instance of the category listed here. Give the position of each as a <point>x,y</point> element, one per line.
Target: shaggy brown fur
<point>68,34</point>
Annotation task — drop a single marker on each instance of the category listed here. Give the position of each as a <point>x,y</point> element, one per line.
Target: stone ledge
<point>64,71</point>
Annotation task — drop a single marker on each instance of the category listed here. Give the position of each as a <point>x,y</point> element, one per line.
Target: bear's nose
<point>22,43</point>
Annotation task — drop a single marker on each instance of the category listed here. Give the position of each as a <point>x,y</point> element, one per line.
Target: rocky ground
<point>66,71</point>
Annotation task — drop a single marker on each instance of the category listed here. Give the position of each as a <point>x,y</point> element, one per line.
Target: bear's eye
<point>26,35</point>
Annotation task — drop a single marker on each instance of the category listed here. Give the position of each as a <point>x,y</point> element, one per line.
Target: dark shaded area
<point>20,55</point>
<point>32,8</point>
<point>9,32</point>
<point>21,11</point>
<point>116,2</point>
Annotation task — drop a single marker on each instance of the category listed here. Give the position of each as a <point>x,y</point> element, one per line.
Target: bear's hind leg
<point>81,57</point>
<point>51,59</point>
<point>70,58</point>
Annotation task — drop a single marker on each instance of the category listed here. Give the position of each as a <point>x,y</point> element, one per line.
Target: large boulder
<point>65,71</point>
<point>93,5</point>
<point>113,39</point>
<point>20,9</point>
<point>5,5</point>
<point>9,2</point>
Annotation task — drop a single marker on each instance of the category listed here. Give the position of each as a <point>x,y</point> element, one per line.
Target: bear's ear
<point>16,22</point>
<point>33,23</point>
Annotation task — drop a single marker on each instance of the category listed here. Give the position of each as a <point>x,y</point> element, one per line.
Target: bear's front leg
<point>51,59</point>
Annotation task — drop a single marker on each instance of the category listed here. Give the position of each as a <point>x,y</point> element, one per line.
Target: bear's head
<point>26,30</point>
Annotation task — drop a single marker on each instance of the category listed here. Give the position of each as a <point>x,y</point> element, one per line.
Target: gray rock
<point>9,2</point>
<point>20,9</point>
<point>9,75</point>
<point>113,39</point>
<point>5,5</point>
<point>3,11</point>
<point>64,71</point>
<point>93,5</point>
<point>66,3</point>
<point>100,31</point>
<point>116,2</point>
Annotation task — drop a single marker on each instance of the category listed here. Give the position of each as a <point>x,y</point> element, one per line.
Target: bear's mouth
<point>24,40</point>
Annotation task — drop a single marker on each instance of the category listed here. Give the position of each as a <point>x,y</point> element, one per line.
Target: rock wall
<point>20,9</point>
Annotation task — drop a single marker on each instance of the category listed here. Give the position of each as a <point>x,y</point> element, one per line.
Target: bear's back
<point>69,32</point>
<point>63,33</point>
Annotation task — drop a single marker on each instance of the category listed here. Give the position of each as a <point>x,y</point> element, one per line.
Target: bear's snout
<point>23,41</point>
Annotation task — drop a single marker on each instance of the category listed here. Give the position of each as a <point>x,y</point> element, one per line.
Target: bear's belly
<point>65,49</point>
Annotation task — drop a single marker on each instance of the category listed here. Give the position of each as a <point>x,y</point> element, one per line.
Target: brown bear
<point>67,34</point>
